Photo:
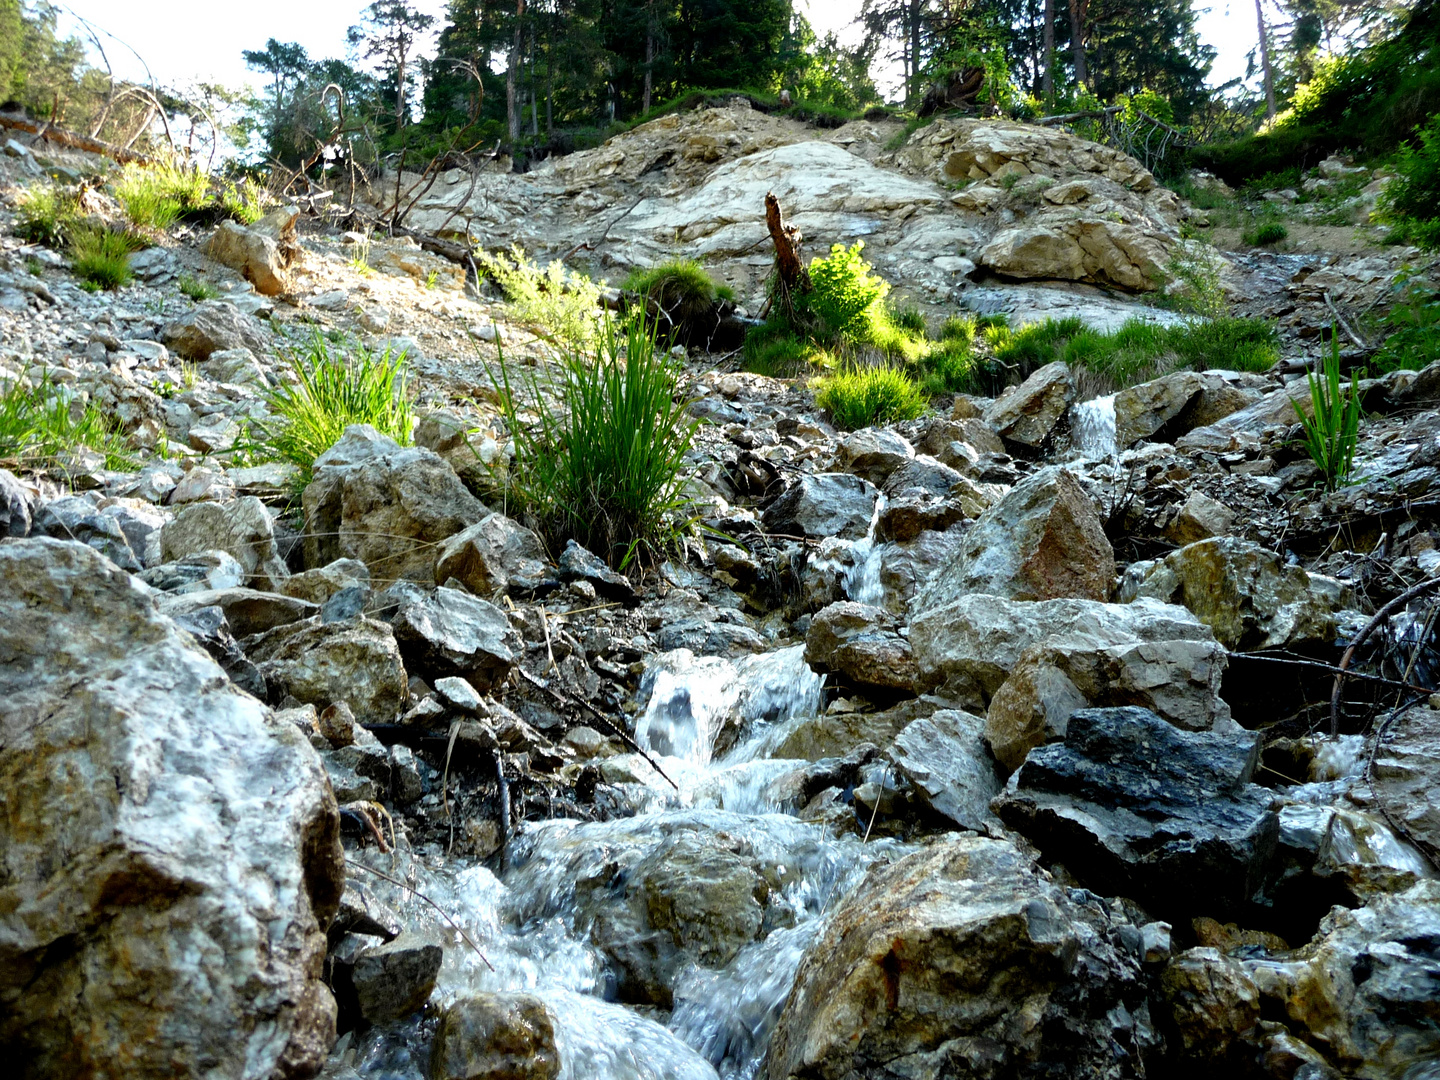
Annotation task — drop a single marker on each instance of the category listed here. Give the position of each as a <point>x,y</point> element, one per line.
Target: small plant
<point>605,468</point>
<point>360,261</point>
<point>1411,327</point>
<point>244,203</point>
<point>907,317</point>
<point>1197,285</point>
<point>196,288</point>
<point>1331,435</point>
<point>1265,234</point>
<point>1411,202</point>
<point>431,279</point>
<point>564,306</point>
<point>862,396</point>
<point>330,394</point>
<point>34,267</point>
<point>680,287</point>
<point>154,196</point>
<point>773,351</point>
<point>46,216</point>
<point>1009,180</point>
<point>39,424</point>
<point>189,374</point>
<point>101,258</point>
<point>847,299</point>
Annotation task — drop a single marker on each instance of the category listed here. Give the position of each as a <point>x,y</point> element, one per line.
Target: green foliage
<point>39,425</point>
<point>1197,287</point>
<point>1264,234</point>
<point>154,196</point>
<point>1411,328</point>
<point>847,299</point>
<point>243,202</point>
<point>331,393</point>
<point>678,285</point>
<point>774,350</point>
<point>604,468</point>
<point>101,258</point>
<point>46,215</point>
<point>1411,202</point>
<point>196,289</point>
<point>1330,436</point>
<point>860,396</point>
<point>907,317</point>
<point>562,305</point>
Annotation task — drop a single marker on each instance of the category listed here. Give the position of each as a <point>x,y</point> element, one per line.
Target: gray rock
<point>319,585</point>
<point>578,564</point>
<point>248,611</point>
<point>1027,413</point>
<point>75,517</point>
<point>209,627</point>
<point>1136,807</point>
<point>213,326</point>
<point>824,504</point>
<point>201,572</point>
<point>1042,541</point>
<point>862,643</point>
<point>127,750</point>
<point>457,694</point>
<point>395,979</point>
<point>507,1036</point>
<point>496,557</point>
<point>242,528</point>
<point>923,970</point>
<point>17,503</point>
<point>356,662</point>
<point>949,768</point>
<point>1199,518</point>
<point>873,454</point>
<point>453,633</point>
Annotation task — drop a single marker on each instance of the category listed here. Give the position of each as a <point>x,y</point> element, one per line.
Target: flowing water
<point>1092,428</point>
<point>539,922</point>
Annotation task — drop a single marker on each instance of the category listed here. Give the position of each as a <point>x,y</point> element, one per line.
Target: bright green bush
<point>907,317</point>
<point>847,299</point>
<point>101,258</point>
<point>605,468</point>
<point>861,396</point>
<point>154,196</point>
<point>331,393</point>
<point>1264,234</point>
<point>679,287</point>
<point>563,306</point>
<point>781,355</point>
<point>196,288</point>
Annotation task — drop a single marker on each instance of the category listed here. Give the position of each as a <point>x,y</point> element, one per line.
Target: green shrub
<point>860,396</point>
<point>330,394</point>
<point>45,216</point>
<point>952,366</point>
<point>846,298</point>
<point>605,468</point>
<point>1197,287</point>
<point>1411,329</point>
<point>38,426</point>
<point>1264,234</point>
<point>245,202</point>
<point>907,317</point>
<point>101,258</point>
<point>196,288</point>
<point>1411,201</point>
<point>681,288</point>
<point>562,305</point>
<point>1332,433</point>
<point>154,196</point>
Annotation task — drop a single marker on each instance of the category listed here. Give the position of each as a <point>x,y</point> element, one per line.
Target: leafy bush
<point>1411,202</point>
<point>101,258</point>
<point>860,396</point>
<point>1333,432</point>
<point>46,216</point>
<point>847,299</point>
<point>605,468</point>
<point>563,305</point>
<point>244,202</point>
<point>774,351</point>
<point>330,394</point>
<point>1264,234</point>
<point>39,424</point>
<point>1411,328</point>
<point>1197,287</point>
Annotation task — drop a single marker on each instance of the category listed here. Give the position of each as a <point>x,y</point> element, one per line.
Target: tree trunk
<point>787,239</point>
<point>1049,78</point>
<point>400,94</point>
<point>1265,63</point>
<point>915,12</point>
<point>649,63</point>
<point>512,78</point>
<point>1077,42</point>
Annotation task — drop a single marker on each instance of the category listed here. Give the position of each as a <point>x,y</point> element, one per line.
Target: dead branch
<point>74,140</point>
<point>1381,617</point>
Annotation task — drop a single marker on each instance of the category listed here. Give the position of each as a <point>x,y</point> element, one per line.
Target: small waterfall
<point>1092,428</point>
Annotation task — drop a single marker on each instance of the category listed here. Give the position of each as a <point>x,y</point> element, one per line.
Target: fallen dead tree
<point>73,139</point>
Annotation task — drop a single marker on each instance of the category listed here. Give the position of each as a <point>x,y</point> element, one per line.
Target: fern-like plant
<point>1330,436</point>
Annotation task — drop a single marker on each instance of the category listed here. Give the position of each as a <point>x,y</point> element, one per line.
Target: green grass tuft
<point>605,468</point>
<point>39,425</point>
<point>46,216</point>
<point>333,392</point>
<point>680,287</point>
<point>101,258</point>
<point>1265,234</point>
<point>196,288</point>
<point>861,396</point>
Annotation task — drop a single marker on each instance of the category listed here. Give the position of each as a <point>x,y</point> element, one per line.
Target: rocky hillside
<point>996,743</point>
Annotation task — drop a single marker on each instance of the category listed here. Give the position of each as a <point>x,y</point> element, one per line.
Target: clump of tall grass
<point>563,306</point>
<point>39,425</point>
<point>101,257</point>
<point>675,282</point>
<point>604,468</point>
<point>330,393</point>
<point>155,195</point>
<point>1333,432</point>
<point>46,215</point>
<point>859,396</point>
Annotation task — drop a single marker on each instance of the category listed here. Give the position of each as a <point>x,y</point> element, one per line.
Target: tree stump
<point>791,277</point>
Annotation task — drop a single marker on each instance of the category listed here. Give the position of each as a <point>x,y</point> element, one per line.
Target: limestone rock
<point>863,644</point>
<point>384,505</point>
<point>873,454</point>
<point>142,790</point>
<point>494,557</point>
<point>496,1036</point>
<point>1277,407</point>
<point>1042,541</point>
<point>213,326</point>
<point>925,970</point>
<point>395,979</point>
<point>835,734</point>
<point>256,256</point>
<point>355,661</point>
<point>1168,407</point>
<point>949,768</point>
<point>248,611</point>
<point>1027,413</point>
<point>1136,807</point>
<point>824,504</point>
<point>1406,774</point>
<point>453,633</point>
<point>201,572</point>
<point>242,529</point>
<point>76,517</point>
<point>1199,518</point>
<point>1247,595</point>
<point>319,585</point>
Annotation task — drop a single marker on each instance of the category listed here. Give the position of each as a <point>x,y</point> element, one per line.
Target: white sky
<point>183,40</point>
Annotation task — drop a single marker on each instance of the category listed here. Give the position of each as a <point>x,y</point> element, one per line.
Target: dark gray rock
<point>249,611</point>
<point>208,626</point>
<point>74,517</point>
<point>17,504</point>
<point>395,979</point>
<point>824,504</point>
<point>949,768</point>
<point>578,564</point>
<point>201,572</point>
<point>1134,806</point>
<point>453,633</point>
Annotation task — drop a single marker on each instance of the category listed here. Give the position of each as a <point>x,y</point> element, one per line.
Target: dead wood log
<point>958,91</point>
<point>73,139</point>
<point>787,240</point>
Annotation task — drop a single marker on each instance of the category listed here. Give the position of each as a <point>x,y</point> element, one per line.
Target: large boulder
<point>450,633</point>
<point>355,661</point>
<point>863,644</point>
<point>873,453</point>
<point>1168,407</point>
<point>824,504</point>
<point>1042,541</point>
<point>256,256</point>
<point>962,959</point>
<point>1276,408</point>
<point>1405,775</point>
<point>949,769</point>
<point>1359,1000</point>
<point>171,851</point>
<point>495,557</point>
<point>386,505</point>
<point>1250,597</point>
<point>242,529</point>
<point>215,326</point>
<point>1136,807</point>
<point>1027,413</point>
